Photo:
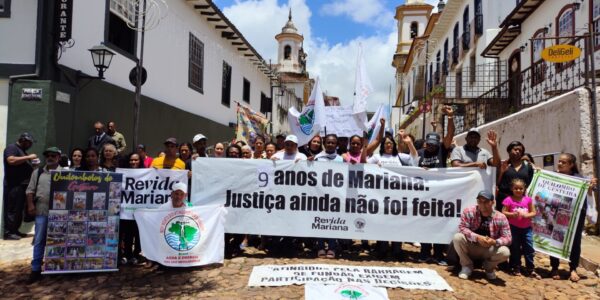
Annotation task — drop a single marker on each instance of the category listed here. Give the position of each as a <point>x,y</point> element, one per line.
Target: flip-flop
<point>555,275</point>
<point>574,276</point>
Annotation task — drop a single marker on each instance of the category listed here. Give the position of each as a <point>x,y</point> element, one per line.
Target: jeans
<point>576,248</point>
<point>331,244</point>
<point>522,244</point>
<point>39,242</point>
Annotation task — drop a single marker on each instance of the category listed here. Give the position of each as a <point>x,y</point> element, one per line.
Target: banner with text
<point>83,222</point>
<point>337,200</point>
<point>340,121</point>
<point>406,278</point>
<point>147,188</point>
<point>191,236</point>
<point>558,200</point>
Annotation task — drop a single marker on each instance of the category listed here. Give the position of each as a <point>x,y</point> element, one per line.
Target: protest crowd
<point>493,234</point>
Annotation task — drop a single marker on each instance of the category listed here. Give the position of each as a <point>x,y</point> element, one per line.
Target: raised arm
<point>373,145</point>
<point>449,111</point>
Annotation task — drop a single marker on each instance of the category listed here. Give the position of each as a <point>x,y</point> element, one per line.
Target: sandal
<point>574,276</point>
<point>554,274</point>
<point>535,275</point>
<point>515,272</point>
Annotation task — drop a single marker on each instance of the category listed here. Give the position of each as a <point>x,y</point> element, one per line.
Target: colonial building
<point>198,66</point>
<point>293,84</point>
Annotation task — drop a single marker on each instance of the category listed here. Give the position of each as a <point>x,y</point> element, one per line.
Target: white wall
<point>18,33</point>
<point>166,60</point>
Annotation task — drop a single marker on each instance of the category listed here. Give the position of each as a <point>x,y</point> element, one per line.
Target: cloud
<point>371,12</point>
<point>334,64</point>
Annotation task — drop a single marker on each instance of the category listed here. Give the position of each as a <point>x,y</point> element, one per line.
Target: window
<point>595,17</point>
<point>196,64</point>
<point>414,30</point>
<point>246,91</point>
<point>116,33</point>
<point>455,44</point>
<point>537,45</point>
<point>266,106</point>
<point>466,37</point>
<point>566,23</point>
<point>226,85</point>
<point>478,17</point>
<point>287,52</point>
<point>438,61</point>
<point>4,8</point>
<point>472,69</point>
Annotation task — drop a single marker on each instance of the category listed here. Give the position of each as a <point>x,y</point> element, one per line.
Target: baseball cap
<point>474,130</point>
<point>27,136</point>
<point>141,146</point>
<point>198,137</point>
<point>486,194</point>
<point>171,140</point>
<point>52,150</point>
<point>432,138</point>
<point>180,186</point>
<point>291,138</point>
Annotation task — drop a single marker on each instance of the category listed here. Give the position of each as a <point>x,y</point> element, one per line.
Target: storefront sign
<point>560,53</point>
<point>64,19</point>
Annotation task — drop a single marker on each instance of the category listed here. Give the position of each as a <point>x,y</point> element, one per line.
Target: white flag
<point>306,124</point>
<point>362,89</point>
<point>186,237</point>
<point>374,125</point>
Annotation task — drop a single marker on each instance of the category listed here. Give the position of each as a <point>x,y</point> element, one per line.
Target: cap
<point>432,138</point>
<point>142,146</point>
<point>486,194</point>
<point>52,150</point>
<point>171,140</point>
<point>198,137</point>
<point>474,130</point>
<point>27,136</point>
<point>291,138</point>
<point>180,186</point>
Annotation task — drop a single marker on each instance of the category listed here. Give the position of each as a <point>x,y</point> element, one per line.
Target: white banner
<point>191,236</point>
<point>343,291</point>
<point>337,200</point>
<point>147,188</point>
<point>340,121</point>
<point>406,278</point>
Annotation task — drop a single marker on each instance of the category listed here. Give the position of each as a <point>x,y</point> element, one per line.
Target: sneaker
<point>418,245</point>
<point>321,254</point>
<point>12,237</point>
<point>491,275</point>
<point>465,272</point>
<point>422,259</point>
<point>441,262</point>
<point>330,254</point>
<point>22,234</point>
<point>123,261</point>
<point>35,276</point>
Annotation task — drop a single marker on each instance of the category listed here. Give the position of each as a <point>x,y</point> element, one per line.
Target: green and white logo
<point>182,233</point>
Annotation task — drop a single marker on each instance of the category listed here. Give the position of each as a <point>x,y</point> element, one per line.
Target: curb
<point>590,265</point>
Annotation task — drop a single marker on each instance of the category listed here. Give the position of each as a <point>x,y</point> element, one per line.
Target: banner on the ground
<point>558,200</point>
<point>83,222</point>
<point>406,278</point>
<point>186,237</point>
<point>147,188</point>
<point>340,120</point>
<point>343,291</point>
<point>337,200</point>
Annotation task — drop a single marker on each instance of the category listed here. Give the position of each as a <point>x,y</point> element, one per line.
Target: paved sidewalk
<point>590,253</point>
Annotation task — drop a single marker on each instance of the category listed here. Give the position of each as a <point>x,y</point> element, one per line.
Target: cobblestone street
<point>230,280</point>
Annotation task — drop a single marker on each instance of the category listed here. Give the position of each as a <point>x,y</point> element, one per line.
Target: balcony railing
<point>538,83</point>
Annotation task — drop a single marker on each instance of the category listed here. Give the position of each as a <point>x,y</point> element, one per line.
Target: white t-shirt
<point>390,159</point>
<point>281,155</point>
<point>324,156</point>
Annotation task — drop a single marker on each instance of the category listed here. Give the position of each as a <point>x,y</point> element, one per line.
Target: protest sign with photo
<point>147,188</point>
<point>83,222</point>
<point>406,278</point>
<point>337,200</point>
<point>190,236</point>
<point>558,200</point>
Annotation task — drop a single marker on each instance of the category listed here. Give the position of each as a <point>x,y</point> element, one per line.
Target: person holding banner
<point>76,158</point>
<point>513,168</point>
<point>108,157</point>
<point>567,164</point>
<point>38,202</point>
<point>314,147</point>
<point>290,150</point>
<point>219,150</point>
<point>360,150</point>
<point>178,195</point>
<point>141,151</point>
<point>270,149</point>
<point>246,152</point>
<point>259,147</point>
<point>233,151</point>
<point>484,233</point>
<point>90,161</point>
<point>199,142</point>
<point>129,233</point>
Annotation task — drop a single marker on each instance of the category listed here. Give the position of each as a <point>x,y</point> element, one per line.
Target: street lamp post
<point>102,57</point>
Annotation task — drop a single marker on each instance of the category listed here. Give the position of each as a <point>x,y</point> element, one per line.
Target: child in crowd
<point>519,210</point>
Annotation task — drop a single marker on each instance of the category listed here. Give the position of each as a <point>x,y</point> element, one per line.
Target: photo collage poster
<point>83,222</point>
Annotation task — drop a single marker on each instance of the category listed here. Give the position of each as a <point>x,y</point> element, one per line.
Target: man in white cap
<point>199,143</point>
<point>290,150</point>
<point>178,194</point>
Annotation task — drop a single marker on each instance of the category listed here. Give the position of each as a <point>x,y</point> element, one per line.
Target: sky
<point>333,30</point>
